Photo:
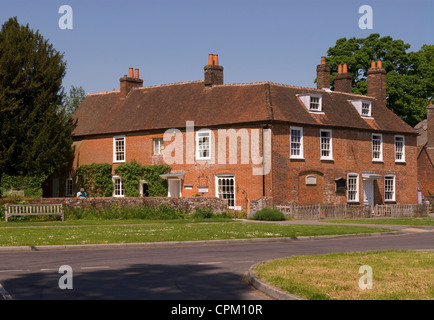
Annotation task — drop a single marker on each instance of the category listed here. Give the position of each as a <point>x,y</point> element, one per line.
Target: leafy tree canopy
<point>410,75</point>
<point>73,99</point>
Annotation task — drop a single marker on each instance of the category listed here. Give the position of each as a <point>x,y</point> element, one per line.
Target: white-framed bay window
<point>296,143</point>
<point>225,188</point>
<point>118,187</point>
<point>119,149</point>
<point>352,187</point>
<point>389,188</point>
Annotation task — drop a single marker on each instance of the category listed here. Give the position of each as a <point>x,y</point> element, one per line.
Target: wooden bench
<point>33,210</point>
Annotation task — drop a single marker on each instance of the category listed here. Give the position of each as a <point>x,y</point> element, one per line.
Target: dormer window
<point>363,107</point>
<point>312,102</point>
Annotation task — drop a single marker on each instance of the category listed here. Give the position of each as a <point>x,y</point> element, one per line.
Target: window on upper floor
<point>312,102</point>
<point>203,145</point>
<point>363,107</point>
<point>399,148</point>
<point>296,142</point>
<point>377,147</point>
<point>326,144</point>
<point>119,149</point>
<point>157,146</point>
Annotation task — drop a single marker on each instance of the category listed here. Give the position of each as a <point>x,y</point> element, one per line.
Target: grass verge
<point>397,221</point>
<point>397,275</point>
<point>67,233</point>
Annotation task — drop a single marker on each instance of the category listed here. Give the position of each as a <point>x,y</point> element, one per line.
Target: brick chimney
<point>377,82</point>
<point>323,75</point>
<point>130,82</point>
<point>213,72</point>
<point>343,79</point>
<point>430,128</point>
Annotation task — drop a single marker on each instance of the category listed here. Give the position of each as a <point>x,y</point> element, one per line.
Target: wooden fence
<point>401,210</point>
<point>345,211</point>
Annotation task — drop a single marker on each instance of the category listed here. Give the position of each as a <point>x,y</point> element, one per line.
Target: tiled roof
<point>170,106</point>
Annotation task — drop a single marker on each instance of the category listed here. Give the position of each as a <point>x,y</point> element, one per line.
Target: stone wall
<point>188,204</point>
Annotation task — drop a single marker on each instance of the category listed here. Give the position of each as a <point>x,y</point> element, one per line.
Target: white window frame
<point>199,134</point>
<point>219,193</point>
<point>358,104</point>
<point>330,149</point>
<point>306,99</point>
<point>356,190</point>
<point>121,189</point>
<point>69,187</point>
<point>115,152</point>
<point>392,191</point>
<point>157,146</point>
<point>380,158</point>
<point>295,156</point>
<point>403,148</point>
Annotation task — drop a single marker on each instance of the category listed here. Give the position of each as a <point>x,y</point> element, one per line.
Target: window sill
<point>400,161</point>
<point>122,161</point>
<point>379,161</point>
<point>327,159</point>
<point>297,158</point>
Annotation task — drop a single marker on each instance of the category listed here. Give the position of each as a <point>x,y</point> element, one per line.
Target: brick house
<point>425,154</point>
<point>247,141</point>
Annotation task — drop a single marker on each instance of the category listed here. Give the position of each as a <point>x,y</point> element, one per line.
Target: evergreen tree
<point>35,137</point>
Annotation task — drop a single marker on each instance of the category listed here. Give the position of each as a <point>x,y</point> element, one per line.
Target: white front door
<point>174,187</point>
<point>368,192</point>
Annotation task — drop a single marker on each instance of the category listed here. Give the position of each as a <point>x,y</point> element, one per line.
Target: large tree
<point>35,137</point>
<point>410,75</point>
<point>73,99</point>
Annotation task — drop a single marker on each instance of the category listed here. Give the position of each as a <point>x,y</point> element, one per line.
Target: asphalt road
<point>184,272</point>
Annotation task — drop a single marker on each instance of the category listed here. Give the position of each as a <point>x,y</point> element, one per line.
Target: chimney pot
<point>210,59</point>
<point>340,68</point>
<point>137,74</point>
<point>323,60</point>
<point>372,64</point>
<point>216,60</point>
<point>130,74</point>
<point>345,68</point>
<point>379,64</point>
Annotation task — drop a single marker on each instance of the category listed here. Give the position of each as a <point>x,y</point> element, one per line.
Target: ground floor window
<point>68,191</point>
<point>118,188</point>
<point>389,188</point>
<point>225,188</point>
<point>353,187</point>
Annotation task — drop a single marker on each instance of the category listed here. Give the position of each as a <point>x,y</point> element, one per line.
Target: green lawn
<point>115,231</point>
<point>396,275</point>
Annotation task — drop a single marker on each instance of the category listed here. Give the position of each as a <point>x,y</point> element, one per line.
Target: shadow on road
<point>145,281</point>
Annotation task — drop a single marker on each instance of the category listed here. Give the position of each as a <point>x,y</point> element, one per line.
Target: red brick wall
<point>425,173</point>
<point>286,181</point>
<point>352,154</point>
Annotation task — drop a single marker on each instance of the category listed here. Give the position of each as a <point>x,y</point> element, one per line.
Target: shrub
<point>269,215</point>
<point>202,213</point>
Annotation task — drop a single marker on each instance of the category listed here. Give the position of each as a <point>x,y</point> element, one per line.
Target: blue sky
<point>169,41</point>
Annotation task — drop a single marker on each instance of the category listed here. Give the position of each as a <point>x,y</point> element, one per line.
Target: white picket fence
<point>345,211</point>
